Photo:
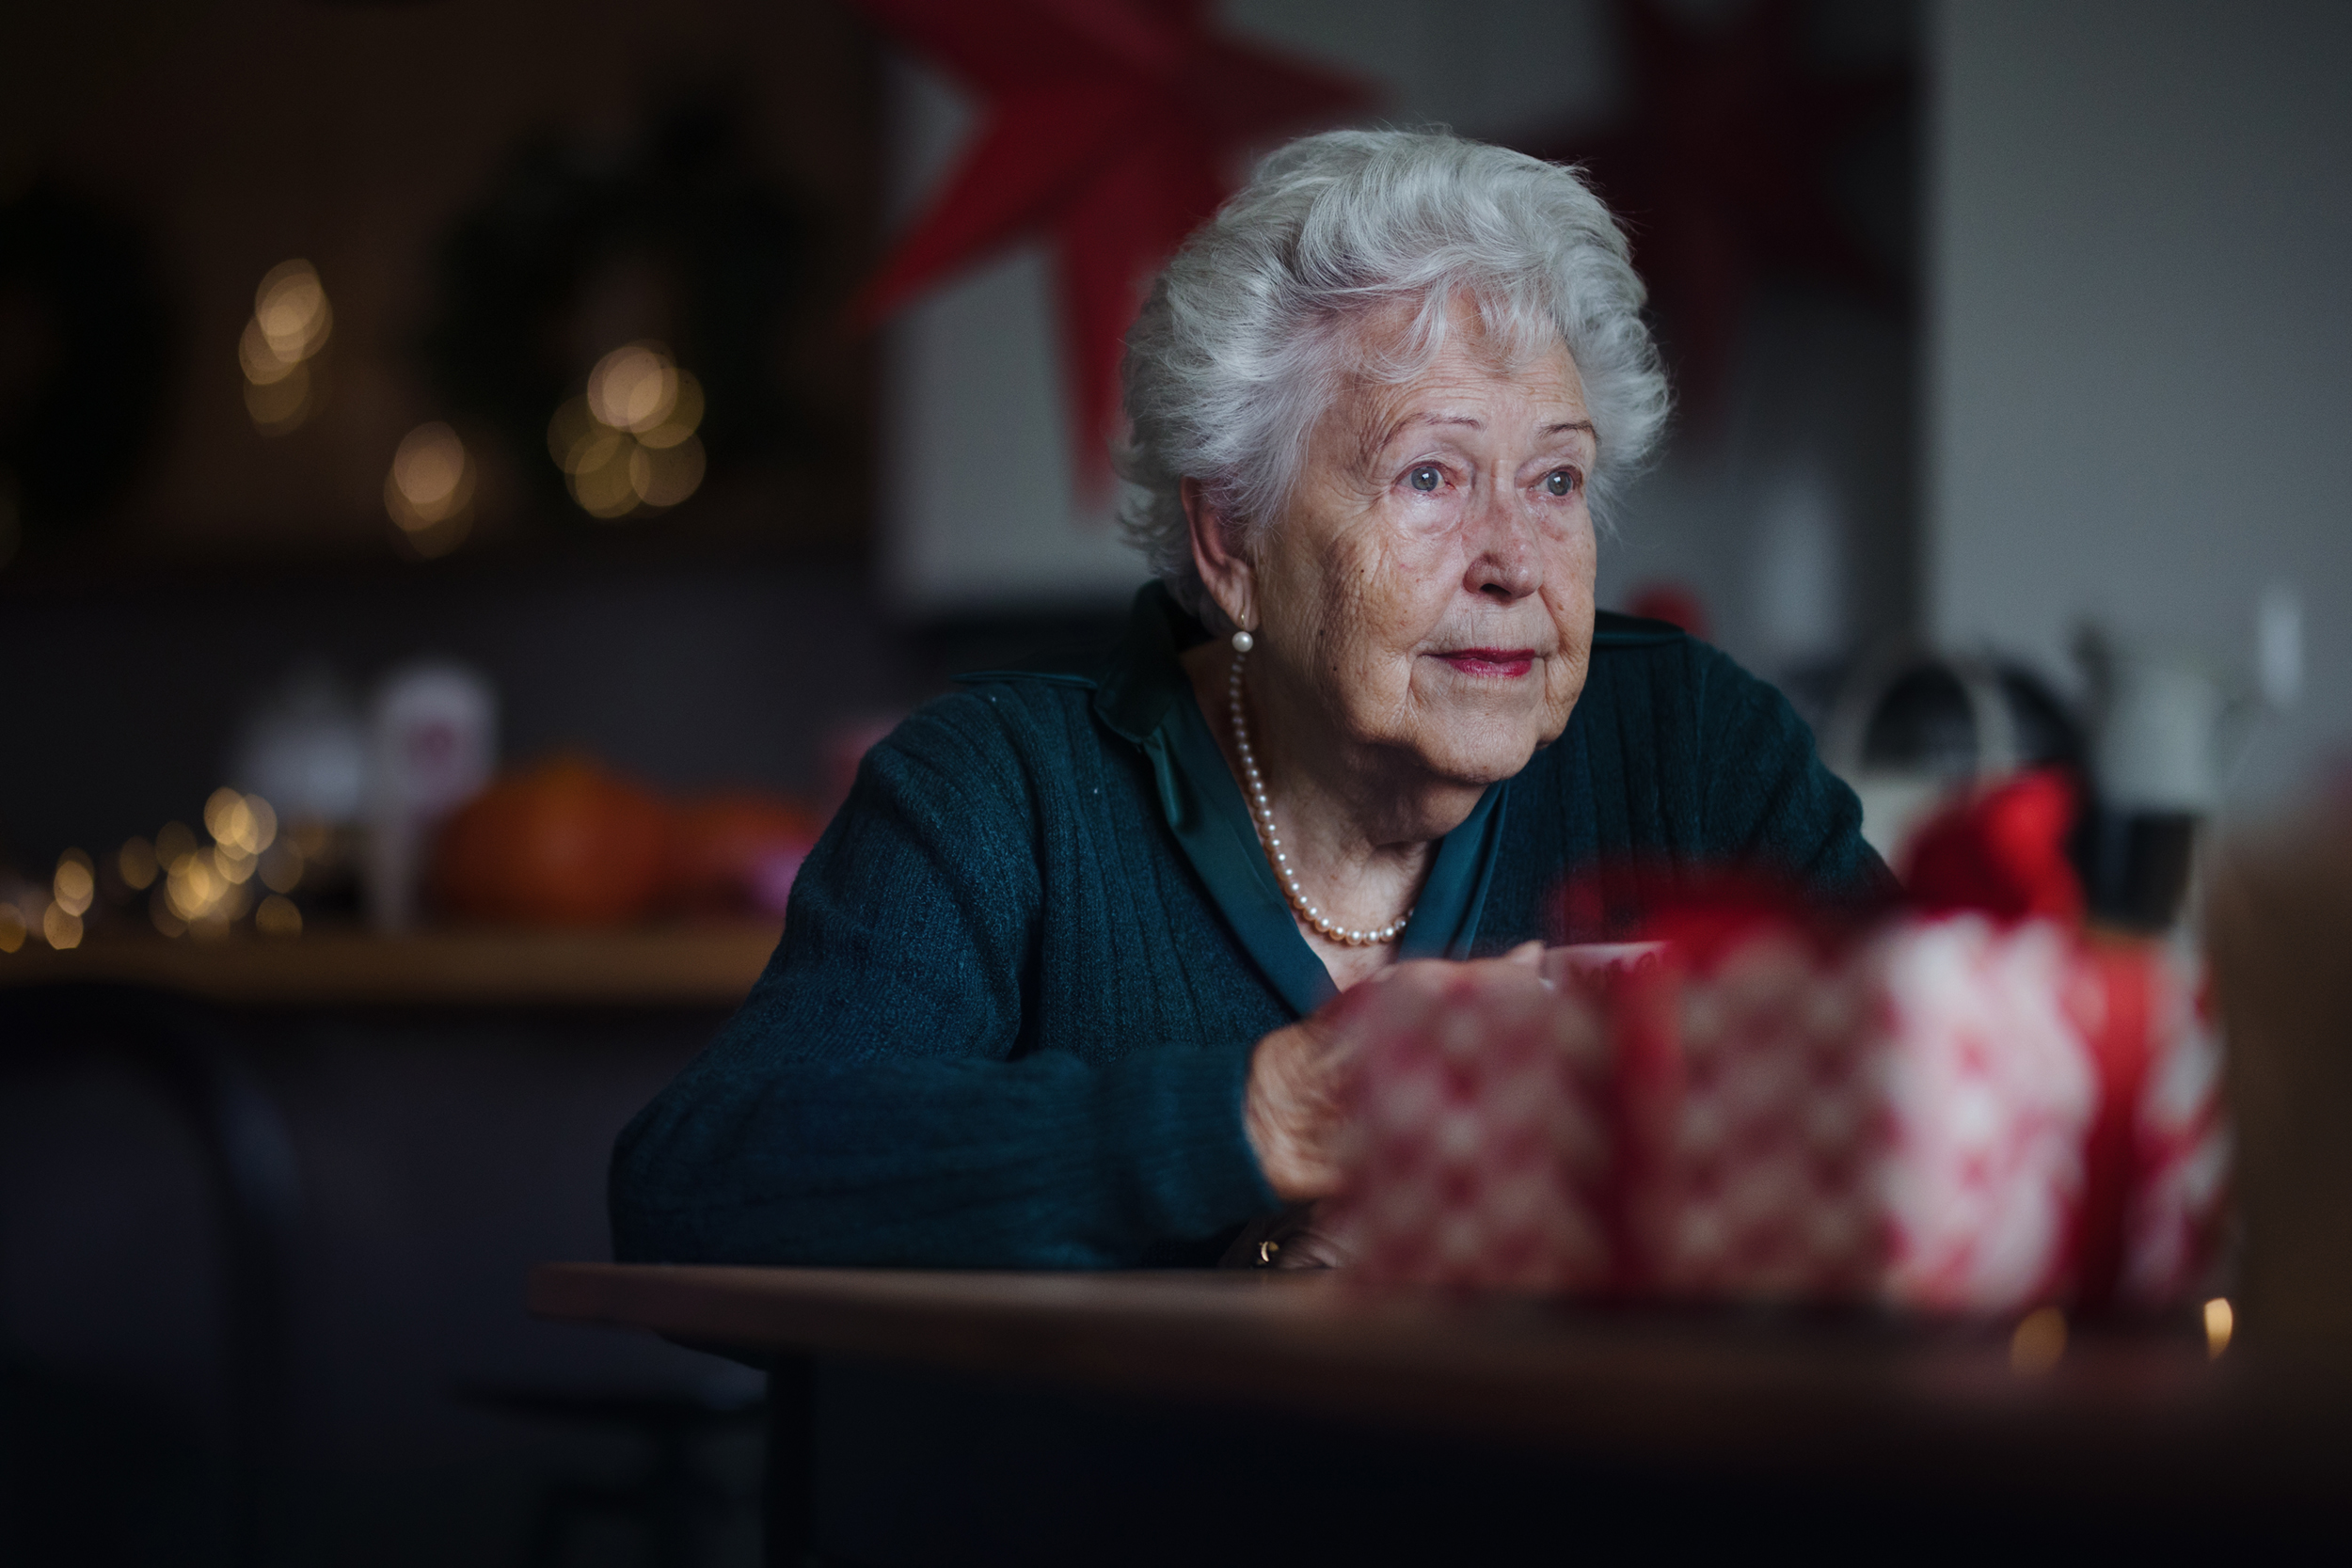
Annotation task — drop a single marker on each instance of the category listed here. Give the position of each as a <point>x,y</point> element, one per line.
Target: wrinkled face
<point>1428,594</point>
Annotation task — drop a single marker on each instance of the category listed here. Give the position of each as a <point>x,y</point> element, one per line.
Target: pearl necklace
<point>1284,872</point>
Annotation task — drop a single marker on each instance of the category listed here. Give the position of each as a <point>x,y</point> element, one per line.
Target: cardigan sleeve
<point>868,1105</point>
<point>1766,798</point>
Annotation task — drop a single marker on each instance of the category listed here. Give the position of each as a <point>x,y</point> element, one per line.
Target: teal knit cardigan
<point>1009,1024</point>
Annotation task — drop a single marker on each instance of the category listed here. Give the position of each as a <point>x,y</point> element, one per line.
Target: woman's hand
<point>1291,1108</point>
<point>1294,1109</point>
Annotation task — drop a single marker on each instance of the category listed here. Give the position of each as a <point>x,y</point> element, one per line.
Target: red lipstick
<point>1501,664</point>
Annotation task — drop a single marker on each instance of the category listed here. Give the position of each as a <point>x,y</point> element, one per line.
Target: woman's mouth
<point>1500,663</point>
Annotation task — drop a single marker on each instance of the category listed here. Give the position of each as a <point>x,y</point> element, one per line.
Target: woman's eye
<point>1560,482</point>
<point>1425,478</point>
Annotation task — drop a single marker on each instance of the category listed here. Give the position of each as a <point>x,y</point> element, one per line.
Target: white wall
<point>2139,402</point>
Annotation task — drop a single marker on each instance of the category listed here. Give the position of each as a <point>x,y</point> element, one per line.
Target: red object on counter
<point>1673,602</point>
<point>2002,852</point>
<point>737,852</point>
<point>564,843</point>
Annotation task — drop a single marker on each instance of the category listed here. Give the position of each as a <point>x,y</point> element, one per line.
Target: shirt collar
<point>1143,696</point>
<point>1141,680</point>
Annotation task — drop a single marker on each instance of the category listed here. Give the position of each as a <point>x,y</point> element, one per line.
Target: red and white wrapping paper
<point>2181,1149</point>
<point>1907,1121</point>
<point>1954,1115</point>
<point>1486,1130</point>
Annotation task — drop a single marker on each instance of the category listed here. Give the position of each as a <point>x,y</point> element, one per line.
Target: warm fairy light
<point>134,863</point>
<point>260,362</point>
<point>11,929</point>
<point>194,887</point>
<point>634,387</point>
<point>279,406</point>
<point>602,484</point>
<point>208,901</point>
<point>431,475</point>
<point>665,476</point>
<point>685,415</point>
<point>76,883</point>
<point>599,448</point>
<point>2220,1323</point>
<point>263,819</point>
<point>290,324</point>
<point>429,489</point>
<point>159,910</point>
<point>173,843</point>
<point>2039,1341</point>
<point>278,917</point>
<point>61,926</point>
<point>244,824</point>
<point>629,444</point>
<point>290,308</point>
<point>225,816</point>
<point>568,433</point>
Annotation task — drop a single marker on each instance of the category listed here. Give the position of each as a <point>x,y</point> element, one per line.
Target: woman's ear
<point>1232,580</point>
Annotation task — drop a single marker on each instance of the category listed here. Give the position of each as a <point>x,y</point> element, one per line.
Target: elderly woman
<point>1047,993</point>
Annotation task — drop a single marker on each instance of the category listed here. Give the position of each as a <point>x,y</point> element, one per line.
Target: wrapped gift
<point>2179,1188</point>
<point>1480,1141</point>
<point>1905,1120</point>
<point>1954,1113</point>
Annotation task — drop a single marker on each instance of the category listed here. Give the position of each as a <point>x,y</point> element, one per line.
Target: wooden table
<point>2132,1421</point>
<point>662,966</point>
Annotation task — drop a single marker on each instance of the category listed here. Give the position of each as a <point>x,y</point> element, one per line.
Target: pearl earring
<point>1243,641</point>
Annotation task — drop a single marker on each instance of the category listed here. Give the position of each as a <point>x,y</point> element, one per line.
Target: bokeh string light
<point>71,890</point>
<point>206,890</point>
<point>134,863</point>
<point>629,445</point>
<point>429,489</point>
<point>60,929</point>
<point>2220,1323</point>
<point>75,885</point>
<point>292,320</point>
<point>243,864</point>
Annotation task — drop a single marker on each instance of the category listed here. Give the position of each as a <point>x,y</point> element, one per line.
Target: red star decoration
<point>1720,173</point>
<point>1108,126</point>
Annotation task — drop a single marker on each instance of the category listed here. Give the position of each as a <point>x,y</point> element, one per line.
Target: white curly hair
<point>1251,330</point>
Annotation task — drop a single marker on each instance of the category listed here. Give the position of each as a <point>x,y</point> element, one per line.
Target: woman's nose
<point>1506,565</point>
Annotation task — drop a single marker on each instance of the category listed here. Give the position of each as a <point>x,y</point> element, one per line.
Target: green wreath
<point>731,248</point>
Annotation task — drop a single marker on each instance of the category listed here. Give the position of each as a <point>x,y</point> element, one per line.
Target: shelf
<point>671,966</point>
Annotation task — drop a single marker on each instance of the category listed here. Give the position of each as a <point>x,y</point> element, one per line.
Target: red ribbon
<point>2118,1014</point>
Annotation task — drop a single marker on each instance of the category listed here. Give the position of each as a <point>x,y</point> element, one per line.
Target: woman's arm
<point>866,1105</point>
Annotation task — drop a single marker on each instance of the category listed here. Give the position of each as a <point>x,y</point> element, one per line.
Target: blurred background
<point>437,435</point>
